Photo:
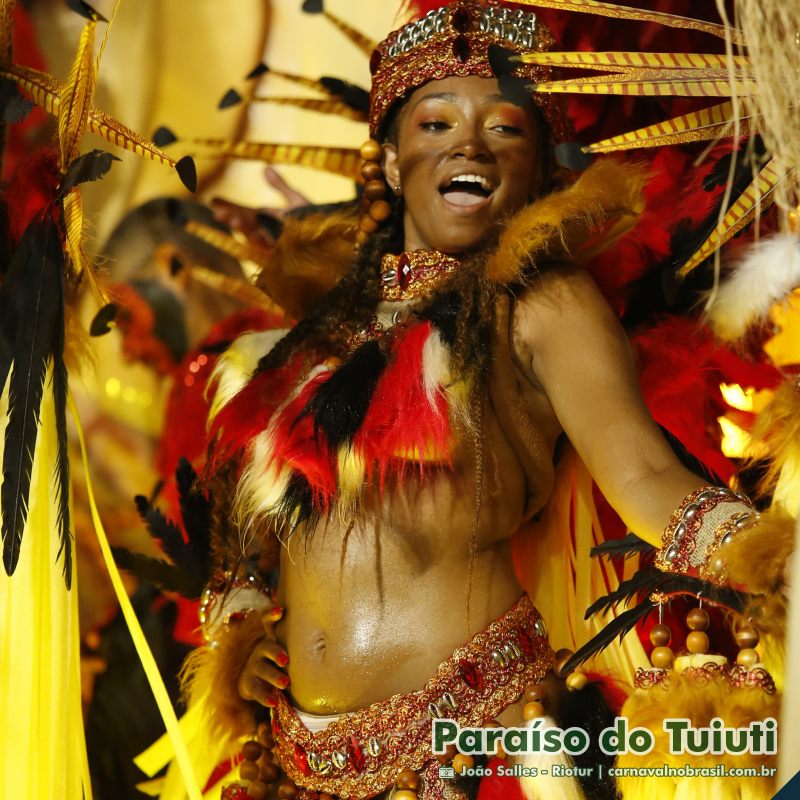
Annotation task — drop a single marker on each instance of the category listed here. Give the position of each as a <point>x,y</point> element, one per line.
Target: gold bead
<point>380,210</point>
<point>462,762</point>
<point>407,779</point>
<point>576,681</point>
<point>404,794</point>
<point>449,754</point>
<point>362,237</point>
<point>367,225</point>
<point>660,635</point>
<point>375,190</point>
<point>534,693</point>
<point>747,657</point>
<point>286,789</point>
<point>562,656</point>
<point>747,637</point>
<point>248,770</point>
<point>662,657</point>
<point>371,171</point>
<point>252,751</point>
<point>269,772</point>
<point>371,150</point>
<point>259,791</point>
<point>698,619</point>
<point>697,642</point>
<point>532,710</point>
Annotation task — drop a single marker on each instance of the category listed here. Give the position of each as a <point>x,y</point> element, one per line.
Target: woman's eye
<point>513,130</point>
<point>434,125</point>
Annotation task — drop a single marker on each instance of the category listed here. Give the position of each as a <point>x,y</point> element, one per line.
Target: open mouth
<point>467,190</point>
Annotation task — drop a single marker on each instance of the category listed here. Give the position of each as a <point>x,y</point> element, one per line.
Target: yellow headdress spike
<point>623,62</point>
<point>225,243</point>
<point>757,196</point>
<point>709,124</point>
<point>335,107</point>
<point>343,161</point>
<point>362,42</point>
<point>638,15</point>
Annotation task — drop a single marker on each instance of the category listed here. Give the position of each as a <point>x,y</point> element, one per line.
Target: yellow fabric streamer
<point>139,640</point>
<point>42,747</point>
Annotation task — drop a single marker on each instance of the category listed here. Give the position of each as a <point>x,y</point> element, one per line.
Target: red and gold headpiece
<point>455,41</point>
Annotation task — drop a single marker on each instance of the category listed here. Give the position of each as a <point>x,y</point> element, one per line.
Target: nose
<point>470,144</point>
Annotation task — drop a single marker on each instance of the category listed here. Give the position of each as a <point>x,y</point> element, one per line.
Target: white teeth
<point>470,178</point>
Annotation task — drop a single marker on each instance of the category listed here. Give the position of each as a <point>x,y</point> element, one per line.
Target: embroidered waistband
<point>360,754</point>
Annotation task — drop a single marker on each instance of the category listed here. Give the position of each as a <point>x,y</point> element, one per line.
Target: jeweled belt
<point>360,754</point>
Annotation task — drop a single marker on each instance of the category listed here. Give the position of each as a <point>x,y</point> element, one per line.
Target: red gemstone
<point>301,760</point>
<point>471,675</point>
<point>461,20</point>
<point>403,271</point>
<point>375,61</point>
<point>461,49</point>
<point>356,755</point>
<point>526,644</point>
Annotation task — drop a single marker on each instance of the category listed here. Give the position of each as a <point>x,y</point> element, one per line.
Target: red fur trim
<point>499,787</point>
<point>297,444</point>
<point>249,412</point>
<point>400,421</point>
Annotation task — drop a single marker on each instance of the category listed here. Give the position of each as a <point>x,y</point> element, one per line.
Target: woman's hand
<point>260,679</point>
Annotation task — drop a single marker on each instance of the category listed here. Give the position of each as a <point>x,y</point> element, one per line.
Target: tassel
<point>546,786</point>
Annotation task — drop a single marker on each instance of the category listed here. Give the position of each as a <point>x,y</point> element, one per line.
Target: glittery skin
<point>450,43</point>
<point>360,754</point>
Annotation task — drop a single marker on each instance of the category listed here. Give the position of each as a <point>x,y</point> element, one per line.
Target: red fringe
<point>400,420</point>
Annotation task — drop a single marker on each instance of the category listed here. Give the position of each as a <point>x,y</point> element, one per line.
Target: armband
<point>230,599</point>
<point>706,519</point>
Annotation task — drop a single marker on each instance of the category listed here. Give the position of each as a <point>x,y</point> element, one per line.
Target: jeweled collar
<point>408,276</point>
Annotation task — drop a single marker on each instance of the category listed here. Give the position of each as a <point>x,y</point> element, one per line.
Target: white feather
<point>237,364</point>
<point>546,786</point>
<point>435,367</point>
<point>763,275</point>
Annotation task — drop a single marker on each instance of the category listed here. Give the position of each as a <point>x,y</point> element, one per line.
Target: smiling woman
<point>398,436</point>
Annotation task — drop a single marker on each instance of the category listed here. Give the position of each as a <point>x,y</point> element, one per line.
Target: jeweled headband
<point>454,41</point>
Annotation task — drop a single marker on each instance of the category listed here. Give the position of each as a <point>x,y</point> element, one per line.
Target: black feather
<point>101,324</point>
<point>443,312</point>
<point>85,10</point>
<point>229,99</point>
<point>631,545</point>
<point>296,505</point>
<point>165,531</point>
<point>257,71</point>
<point>515,89</point>
<point>617,628</point>
<point>166,576</point>
<point>32,285</point>
<point>88,167</point>
<point>60,385</point>
<point>187,172</point>
<point>313,6</point>
<point>163,136</point>
<point>341,403</point>
<point>646,579</point>
<point>196,516</point>
<point>354,96</point>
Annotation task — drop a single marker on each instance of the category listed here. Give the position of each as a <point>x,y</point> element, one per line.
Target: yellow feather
<point>73,222</point>
<point>76,97</point>
<point>628,61</point>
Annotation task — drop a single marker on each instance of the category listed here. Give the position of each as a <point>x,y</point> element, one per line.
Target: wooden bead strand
<point>662,656</point>
<point>747,638</point>
<point>375,209</point>
<point>697,642</point>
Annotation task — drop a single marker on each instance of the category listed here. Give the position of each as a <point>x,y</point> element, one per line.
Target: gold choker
<point>411,275</point>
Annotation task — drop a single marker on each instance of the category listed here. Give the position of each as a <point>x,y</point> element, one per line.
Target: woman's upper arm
<point>570,341</point>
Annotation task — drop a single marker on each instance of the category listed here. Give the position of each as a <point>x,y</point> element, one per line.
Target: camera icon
<point>447,772</point>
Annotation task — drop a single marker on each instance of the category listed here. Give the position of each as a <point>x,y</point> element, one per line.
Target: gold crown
<point>455,41</point>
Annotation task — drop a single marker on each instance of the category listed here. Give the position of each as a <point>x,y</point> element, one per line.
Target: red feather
<point>298,446</point>
<point>401,422</point>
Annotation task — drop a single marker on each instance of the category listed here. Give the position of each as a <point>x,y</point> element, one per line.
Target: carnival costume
<point>378,399</point>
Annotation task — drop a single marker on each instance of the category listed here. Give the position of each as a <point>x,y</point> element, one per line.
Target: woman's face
<point>465,159</point>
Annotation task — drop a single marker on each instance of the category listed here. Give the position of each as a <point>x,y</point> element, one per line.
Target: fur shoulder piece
<point>311,255</point>
<point>572,224</point>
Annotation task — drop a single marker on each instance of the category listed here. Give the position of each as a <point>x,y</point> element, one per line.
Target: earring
<point>398,190</point>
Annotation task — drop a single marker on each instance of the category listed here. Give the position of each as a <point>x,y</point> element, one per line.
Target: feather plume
<point>558,224</point>
<point>31,291</point>
<point>311,255</point>
<point>345,161</point>
<point>168,577</point>
<point>160,528</point>
<point>335,108</point>
<point>778,428</point>
<point>76,96</point>
<point>626,547</point>
<point>764,274</point>
<point>619,12</point>
<point>73,223</point>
